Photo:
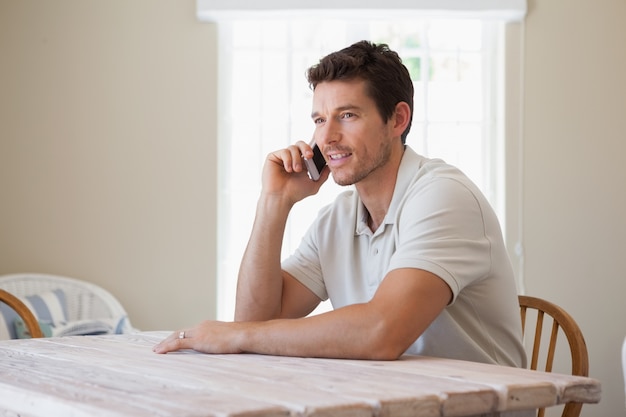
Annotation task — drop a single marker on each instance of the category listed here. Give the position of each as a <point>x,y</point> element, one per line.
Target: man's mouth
<point>338,156</point>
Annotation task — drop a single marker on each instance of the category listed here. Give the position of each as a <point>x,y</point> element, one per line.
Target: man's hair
<point>387,80</point>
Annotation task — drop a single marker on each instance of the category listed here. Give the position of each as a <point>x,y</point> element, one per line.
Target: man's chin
<point>346,180</point>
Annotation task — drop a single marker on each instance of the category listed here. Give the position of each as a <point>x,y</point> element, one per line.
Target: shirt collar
<point>403,181</point>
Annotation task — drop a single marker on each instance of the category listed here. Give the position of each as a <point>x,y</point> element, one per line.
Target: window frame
<point>510,112</point>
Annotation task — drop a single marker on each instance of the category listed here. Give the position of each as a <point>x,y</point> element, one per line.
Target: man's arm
<point>406,303</point>
<point>264,291</point>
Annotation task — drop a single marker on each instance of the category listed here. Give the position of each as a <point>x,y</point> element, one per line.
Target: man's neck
<point>376,191</point>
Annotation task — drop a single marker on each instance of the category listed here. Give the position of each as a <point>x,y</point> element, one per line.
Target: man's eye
<point>347,115</point>
<point>318,121</point>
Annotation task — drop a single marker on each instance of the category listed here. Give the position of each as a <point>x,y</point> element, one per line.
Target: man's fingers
<point>175,341</point>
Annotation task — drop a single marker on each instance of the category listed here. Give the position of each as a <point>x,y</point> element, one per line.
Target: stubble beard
<point>367,166</point>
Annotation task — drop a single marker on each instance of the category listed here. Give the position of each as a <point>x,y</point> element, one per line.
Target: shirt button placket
<point>373,266</point>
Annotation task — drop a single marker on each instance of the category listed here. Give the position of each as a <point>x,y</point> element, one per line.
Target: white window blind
<point>503,10</point>
<point>265,103</point>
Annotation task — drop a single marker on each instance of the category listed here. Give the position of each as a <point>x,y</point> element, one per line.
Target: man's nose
<point>329,134</point>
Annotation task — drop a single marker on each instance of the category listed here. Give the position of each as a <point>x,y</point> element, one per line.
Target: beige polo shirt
<point>440,222</point>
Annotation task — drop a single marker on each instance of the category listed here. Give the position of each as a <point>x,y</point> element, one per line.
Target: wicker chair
<point>85,301</point>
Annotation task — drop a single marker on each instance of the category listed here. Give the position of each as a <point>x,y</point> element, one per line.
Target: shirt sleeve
<point>441,229</point>
<point>304,264</point>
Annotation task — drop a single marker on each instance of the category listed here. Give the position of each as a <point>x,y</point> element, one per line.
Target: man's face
<point>350,131</point>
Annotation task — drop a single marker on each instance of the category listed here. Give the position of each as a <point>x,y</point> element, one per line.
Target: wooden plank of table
<point>102,374</point>
<point>115,364</point>
<point>161,385</point>
<point>223,380</point>
<point>57,384</point>
<point>124,374</point>
<point>400,394</point>
<point>512,381</point>
<point>135,381</point>
<point>457,395</point>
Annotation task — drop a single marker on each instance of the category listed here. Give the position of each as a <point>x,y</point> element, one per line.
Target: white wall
<point>107,131</point>
<point>107,127</point>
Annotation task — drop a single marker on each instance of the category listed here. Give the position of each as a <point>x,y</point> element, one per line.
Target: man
<point>412,259</point>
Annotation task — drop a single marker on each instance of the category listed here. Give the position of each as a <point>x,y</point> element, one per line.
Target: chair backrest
<point>86,307</point>
<point>577,346</point>
<point>22,310</point>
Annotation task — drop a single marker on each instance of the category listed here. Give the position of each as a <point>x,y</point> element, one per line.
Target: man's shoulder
<point>344,204</point>
<point>419,174</point>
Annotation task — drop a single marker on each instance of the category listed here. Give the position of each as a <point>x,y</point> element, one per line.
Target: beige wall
<point>107,131</point>
<point>107,127</point>
<point>574,180</point>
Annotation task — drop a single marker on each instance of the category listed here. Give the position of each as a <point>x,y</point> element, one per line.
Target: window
<point>265,103</point>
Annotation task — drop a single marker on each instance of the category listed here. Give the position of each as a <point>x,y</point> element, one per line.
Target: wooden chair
<point>20,308</point>
<point>578,348</point>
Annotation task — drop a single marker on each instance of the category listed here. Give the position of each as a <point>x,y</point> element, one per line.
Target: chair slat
<point>561,320</point>
<point>537,340</point>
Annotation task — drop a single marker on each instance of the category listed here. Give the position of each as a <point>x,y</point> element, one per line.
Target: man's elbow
<point>389,355</point>
<point>386,347</point>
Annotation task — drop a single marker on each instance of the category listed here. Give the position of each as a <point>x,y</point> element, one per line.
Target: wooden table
<point>121,376</point>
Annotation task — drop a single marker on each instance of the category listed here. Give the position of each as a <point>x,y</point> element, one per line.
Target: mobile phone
<point>315,165</point>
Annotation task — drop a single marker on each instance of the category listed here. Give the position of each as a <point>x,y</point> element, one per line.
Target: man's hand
<point>207,337</point>
<point>284,174</point>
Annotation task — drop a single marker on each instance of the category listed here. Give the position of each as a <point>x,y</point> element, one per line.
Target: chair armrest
<point>20,308</point>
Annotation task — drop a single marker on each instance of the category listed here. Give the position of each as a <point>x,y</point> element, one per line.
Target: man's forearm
<point>259,286</point>
<point>351,332</point>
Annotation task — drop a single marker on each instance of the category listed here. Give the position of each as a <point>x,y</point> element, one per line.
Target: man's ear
<point>401,118</point>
